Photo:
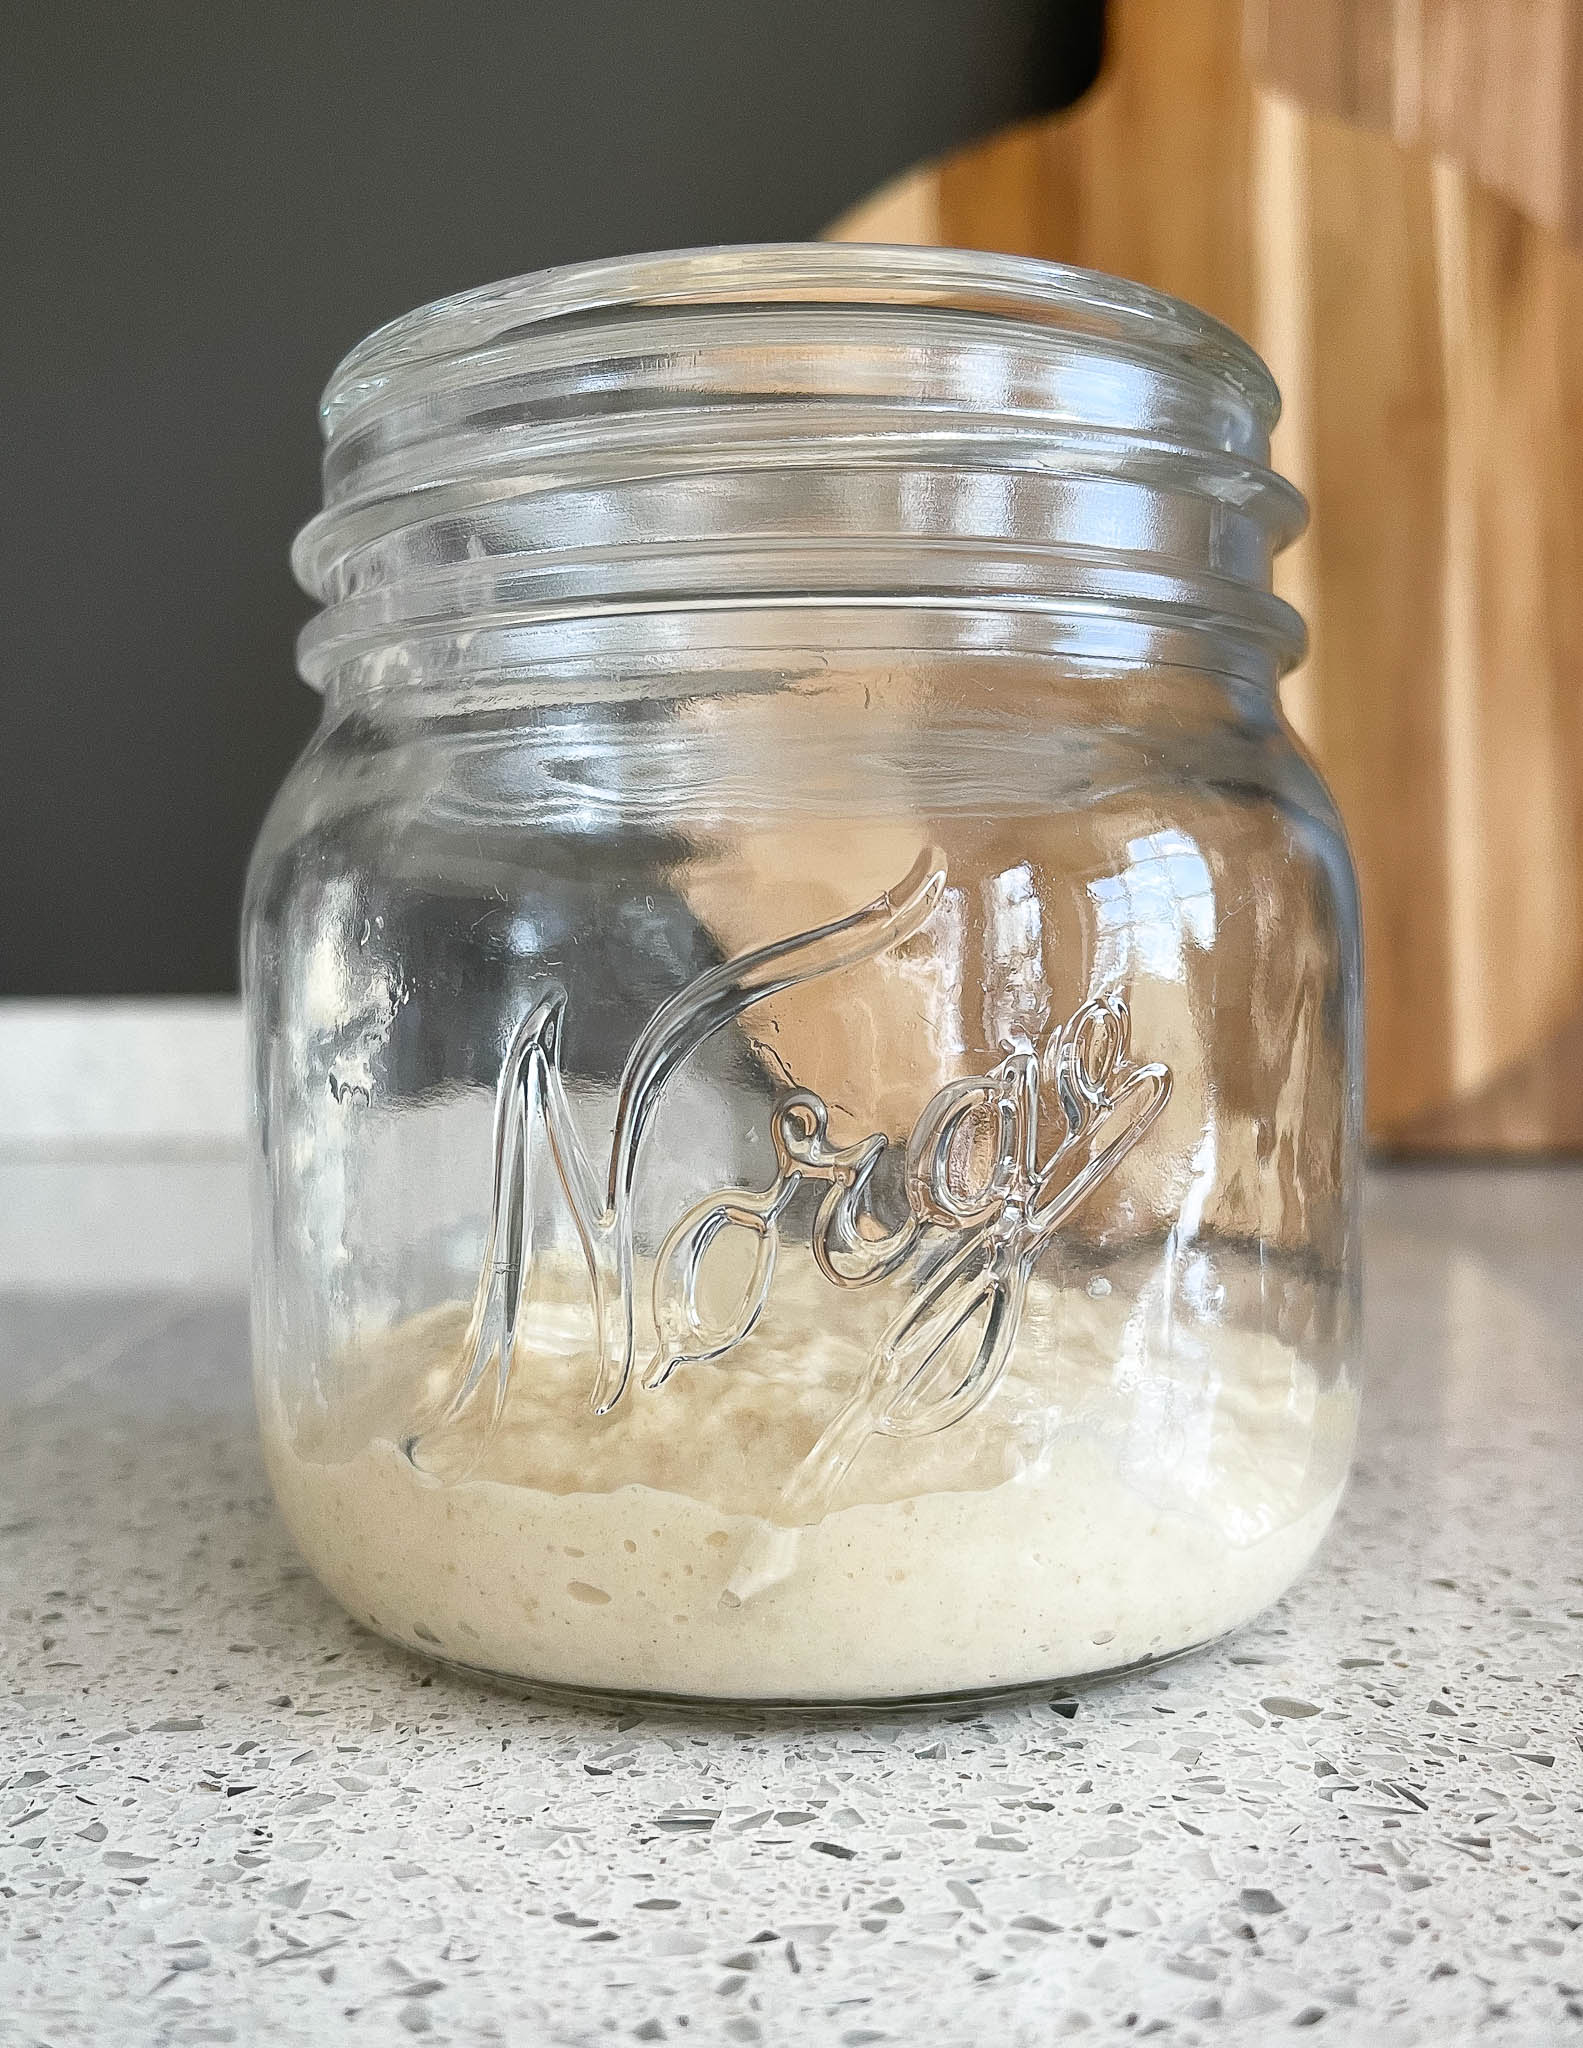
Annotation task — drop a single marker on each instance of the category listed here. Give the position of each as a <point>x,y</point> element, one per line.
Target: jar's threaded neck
<point>740,428</point>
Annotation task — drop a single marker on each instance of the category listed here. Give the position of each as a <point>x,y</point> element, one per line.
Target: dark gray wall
<point>204,206</point>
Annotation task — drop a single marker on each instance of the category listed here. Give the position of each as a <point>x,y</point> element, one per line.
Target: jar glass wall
<point>804,1004</point>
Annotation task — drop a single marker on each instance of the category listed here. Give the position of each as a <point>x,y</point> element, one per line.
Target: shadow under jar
<point>804,1002</point>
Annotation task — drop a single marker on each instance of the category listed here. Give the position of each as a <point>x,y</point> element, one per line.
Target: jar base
<point>612,1699</point>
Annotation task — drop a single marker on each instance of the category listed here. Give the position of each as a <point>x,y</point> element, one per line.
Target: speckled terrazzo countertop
<point>227,1815</point>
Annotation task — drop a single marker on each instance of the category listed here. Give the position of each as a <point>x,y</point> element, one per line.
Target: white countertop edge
<point>108,1074</point>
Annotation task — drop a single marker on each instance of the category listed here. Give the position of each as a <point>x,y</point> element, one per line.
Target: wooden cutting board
<point>1381,198</point>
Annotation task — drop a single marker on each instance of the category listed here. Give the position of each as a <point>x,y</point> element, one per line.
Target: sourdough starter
<point>1107,1504</point>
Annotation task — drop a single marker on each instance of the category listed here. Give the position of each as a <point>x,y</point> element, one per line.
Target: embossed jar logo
<point>986,1187</point>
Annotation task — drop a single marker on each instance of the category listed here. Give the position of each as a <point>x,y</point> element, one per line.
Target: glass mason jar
<point>805,1033</point>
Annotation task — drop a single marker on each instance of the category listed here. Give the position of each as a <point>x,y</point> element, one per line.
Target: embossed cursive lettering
<point>531,1108</point>
<point>985,1196</point>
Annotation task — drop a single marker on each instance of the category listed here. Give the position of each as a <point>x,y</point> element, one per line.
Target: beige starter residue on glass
<point>1094,1512</point>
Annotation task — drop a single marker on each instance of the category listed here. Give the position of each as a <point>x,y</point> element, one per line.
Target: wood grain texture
<point>1423,323</point>
<point>1495,85</point>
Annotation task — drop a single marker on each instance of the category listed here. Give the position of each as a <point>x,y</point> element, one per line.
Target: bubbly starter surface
<point>1101,1507</point>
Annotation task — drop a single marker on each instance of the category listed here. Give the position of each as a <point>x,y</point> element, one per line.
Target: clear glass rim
<point>1061,296</point>
<point>744,426</point>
